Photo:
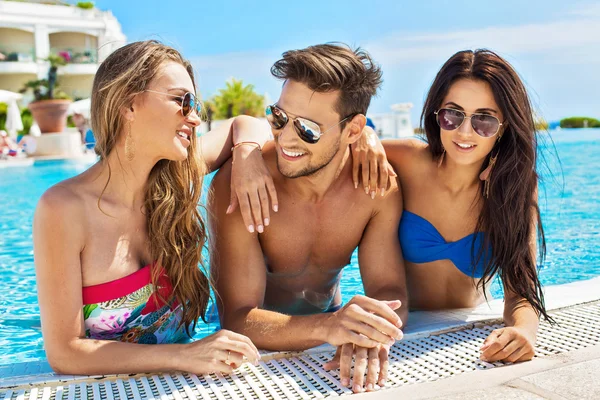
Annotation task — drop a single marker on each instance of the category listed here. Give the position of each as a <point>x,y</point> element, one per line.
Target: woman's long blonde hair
<point>176,231</point>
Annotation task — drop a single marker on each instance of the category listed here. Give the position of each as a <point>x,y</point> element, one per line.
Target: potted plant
<point>50,105</point>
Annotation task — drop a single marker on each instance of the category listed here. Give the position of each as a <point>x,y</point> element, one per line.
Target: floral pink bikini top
<point>125,309</point>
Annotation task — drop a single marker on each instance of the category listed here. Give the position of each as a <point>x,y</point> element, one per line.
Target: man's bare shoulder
<point>222,176</point>
<point>219,189</point>
<point>391,201</point>
<point>391,198</point>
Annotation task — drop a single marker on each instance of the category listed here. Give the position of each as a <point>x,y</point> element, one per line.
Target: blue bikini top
<point>421,243</point>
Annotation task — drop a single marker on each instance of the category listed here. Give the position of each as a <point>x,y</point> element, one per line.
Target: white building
<point>30,31</point>
<point>395,124</point>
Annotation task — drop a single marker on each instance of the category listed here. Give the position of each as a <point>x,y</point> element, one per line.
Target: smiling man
<point>281,287</point>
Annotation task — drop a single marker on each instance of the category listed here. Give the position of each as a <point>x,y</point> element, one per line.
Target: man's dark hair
<point>331,67</point>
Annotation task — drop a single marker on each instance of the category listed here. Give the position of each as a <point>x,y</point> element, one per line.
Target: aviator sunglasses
<point>188,102</point>
<point>308,130</point>
<point>484,125</point>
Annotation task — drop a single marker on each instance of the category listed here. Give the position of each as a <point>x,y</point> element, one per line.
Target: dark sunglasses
<point>484,125</point>
<point>188,102</point>
<point>308,130</point>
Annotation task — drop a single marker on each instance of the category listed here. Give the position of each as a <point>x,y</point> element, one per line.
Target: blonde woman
<point>117,247</point>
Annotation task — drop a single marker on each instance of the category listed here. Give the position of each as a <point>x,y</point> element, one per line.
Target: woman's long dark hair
<point>509,212</point>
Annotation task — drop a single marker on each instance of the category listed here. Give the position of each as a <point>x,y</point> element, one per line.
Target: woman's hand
<point>368,154</point>
<point>221,352</point>
<point>251,187</point>
<point>510,344</point>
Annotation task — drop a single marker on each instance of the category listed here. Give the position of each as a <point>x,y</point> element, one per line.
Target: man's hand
<point>373,361</point>
<point>365,322</point>
<point>510,344</point>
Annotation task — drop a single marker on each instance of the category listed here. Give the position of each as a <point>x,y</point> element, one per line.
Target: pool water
<point>570,213</point>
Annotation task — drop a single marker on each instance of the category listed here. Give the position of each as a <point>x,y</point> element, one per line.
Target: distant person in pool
<point>281,287</point>
<point>470,198</point>
<point>118,247</point>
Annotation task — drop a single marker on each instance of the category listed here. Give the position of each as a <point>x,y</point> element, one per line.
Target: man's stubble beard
<point>311,169</point>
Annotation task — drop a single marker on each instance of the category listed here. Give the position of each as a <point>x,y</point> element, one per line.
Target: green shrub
<point>25,117</point>
<point>3,110</point>
<point>579,122</point>
<point>86,5</point>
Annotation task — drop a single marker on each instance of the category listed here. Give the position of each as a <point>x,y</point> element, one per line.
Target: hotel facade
<point>30,31</point>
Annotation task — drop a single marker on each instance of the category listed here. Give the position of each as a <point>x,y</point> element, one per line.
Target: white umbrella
<point>7,97</point>
<point>13,119</point>
<point>13,114</point>
<point>35,130</point>
<point>81,107</point>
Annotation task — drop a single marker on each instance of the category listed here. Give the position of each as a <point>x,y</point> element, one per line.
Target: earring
<point>129,146</point>
<point>486,175</point>
<point>441,160</point>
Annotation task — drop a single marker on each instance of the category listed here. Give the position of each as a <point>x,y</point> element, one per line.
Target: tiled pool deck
<point>438,346</point>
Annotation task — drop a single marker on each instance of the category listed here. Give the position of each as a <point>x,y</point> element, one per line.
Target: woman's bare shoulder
<point>407,150</point>
<point>63,199</point>
<point>60,224</point>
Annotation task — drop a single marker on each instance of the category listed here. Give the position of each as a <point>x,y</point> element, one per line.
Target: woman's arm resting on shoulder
<point>58,242</point>
<point>369,156</point>
<point>242,138</point>
<point>216,146</point>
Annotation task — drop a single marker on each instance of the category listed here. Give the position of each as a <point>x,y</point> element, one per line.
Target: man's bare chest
<point>318,240</point>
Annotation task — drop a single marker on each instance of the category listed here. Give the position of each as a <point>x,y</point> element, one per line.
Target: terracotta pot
<point>50,115</point>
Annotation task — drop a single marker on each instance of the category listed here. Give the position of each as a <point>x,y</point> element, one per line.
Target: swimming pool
<point>571,218</point>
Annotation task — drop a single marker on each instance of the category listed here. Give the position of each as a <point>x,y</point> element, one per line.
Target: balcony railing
<point>17,53</point>
<point>77,55</point>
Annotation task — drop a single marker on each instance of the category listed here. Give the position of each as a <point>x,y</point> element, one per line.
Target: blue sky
<point>554,45</point>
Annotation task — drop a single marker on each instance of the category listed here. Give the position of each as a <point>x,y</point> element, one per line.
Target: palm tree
<point>236,99</point>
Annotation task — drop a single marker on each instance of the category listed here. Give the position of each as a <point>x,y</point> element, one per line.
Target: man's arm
<point>380,256</point>
<point>383,276</point>
<point>239,273</point>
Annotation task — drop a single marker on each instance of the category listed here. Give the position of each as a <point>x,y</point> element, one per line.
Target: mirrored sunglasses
<point>484,125</point>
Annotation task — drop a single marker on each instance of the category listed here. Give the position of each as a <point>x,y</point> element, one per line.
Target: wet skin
<point>294,267</point>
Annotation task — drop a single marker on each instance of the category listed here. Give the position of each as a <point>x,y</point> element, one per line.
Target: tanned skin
<point>274,286</point>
